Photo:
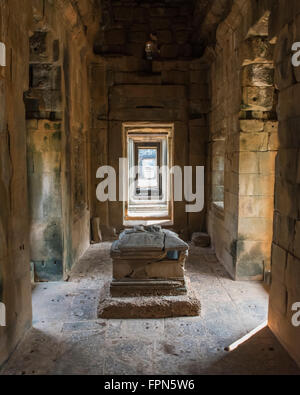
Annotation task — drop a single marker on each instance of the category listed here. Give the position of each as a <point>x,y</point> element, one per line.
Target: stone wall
<point>15,289</point>
<point>57,112</point>
<point>125,87</point>
<point>247,19</point>
<point>129,88</point>
<point>49,144</point>
<point>66,138</point>
<point>126,27</point>
<point>44,114</point>
<point>285,289</point>
<point>45,199</point>
<point>243,129</point>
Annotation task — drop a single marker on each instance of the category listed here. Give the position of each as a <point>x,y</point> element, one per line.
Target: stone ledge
<point>148,307</point>
<point>148,288</point>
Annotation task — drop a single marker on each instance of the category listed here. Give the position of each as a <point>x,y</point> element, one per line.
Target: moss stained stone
<point>46,271</point>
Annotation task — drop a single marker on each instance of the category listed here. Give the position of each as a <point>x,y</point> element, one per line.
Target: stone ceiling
<point>203,16</point>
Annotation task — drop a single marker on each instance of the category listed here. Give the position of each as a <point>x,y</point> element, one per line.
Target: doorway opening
<point>148,183</point>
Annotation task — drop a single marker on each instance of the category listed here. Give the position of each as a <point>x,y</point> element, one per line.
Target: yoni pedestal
<point>148,277</point>
<point>148,262</point>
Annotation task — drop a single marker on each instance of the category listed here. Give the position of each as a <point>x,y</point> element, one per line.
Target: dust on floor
<point>67,337</point>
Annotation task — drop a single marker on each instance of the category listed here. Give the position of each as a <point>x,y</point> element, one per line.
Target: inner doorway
<point>148,183</point>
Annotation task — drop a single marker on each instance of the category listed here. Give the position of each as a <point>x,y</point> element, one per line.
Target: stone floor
<point>67,338</point>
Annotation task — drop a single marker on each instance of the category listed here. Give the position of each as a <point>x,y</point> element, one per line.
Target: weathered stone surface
<point>96,231</point>
<point>279,263</point>
<point>148,307</point>
<point>49,47</point>
<point>257,50</point>
<point>258,75</point>
<point>220,55</point>
<point>45,76</point>
<point>67,337</point>
<point>278,295</point>
<point>174,77</point>
<point>201,240</point>
<point>165,36</point>
<point>261,99</point>
<point>169,51</point>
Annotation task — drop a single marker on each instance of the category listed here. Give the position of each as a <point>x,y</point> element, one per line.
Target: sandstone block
<point>256,207</point>
<point>255,229</point>
<point>297,240</point>
<point>115,37</point>
<point>175,77</point>
<point>182,36</point>
<point>197,92</point>
<point>287,162</point>
<point>256,185</point>
<point>123,13</point>
<point>96,231</point>
<point>165,36</point>
<point>254,142</point>
<point>258,98</point>
<point>138,37</point>
<point>122,78</point>
<point>135,49</point>
<point>249,162</point>
<point>169,51</point>
<point>293,274</point>
<point>279,263</point>
<point>199,107</point>
<point>267,162</point>
<point>273,144</point>
<point>148,307</point>
<point>278,296</point>
<point>257,49</point>
<point>286,198</point>
<point>159,23</point>
<point>46,76</point>
<point>199,76</point>
<point>271,127</point>
<point>39,46</point>
<point>251,125</point>
<point>169,65</point>
<point>201,240</point>
<point>258,75</point>
<point>284,73</point>
<point>185,50</point>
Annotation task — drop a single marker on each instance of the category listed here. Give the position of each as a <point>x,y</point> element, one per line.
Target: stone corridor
<point>207,90</point>
<point>67,337</point>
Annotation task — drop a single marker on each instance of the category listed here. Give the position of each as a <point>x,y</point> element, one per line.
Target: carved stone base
<point>187,305</point>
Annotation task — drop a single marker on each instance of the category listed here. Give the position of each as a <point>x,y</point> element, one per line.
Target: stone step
<point>147,287</point>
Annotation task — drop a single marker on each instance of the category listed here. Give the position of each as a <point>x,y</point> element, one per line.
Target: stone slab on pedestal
<point>148,261</point>
<point>143,307</point>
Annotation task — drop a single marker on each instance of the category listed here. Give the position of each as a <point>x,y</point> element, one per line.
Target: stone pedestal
<point>148,277</point>
<point>148,307</point>
<point>148,263</point>
<point>145,277</point>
